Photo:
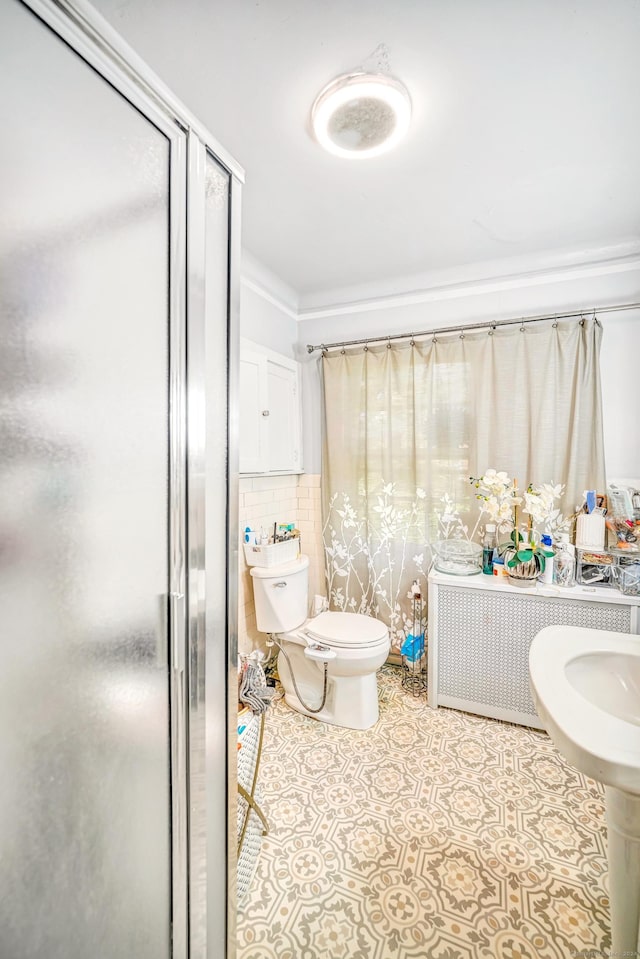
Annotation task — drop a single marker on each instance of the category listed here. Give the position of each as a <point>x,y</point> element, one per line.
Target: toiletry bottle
<point>547,576</point>
<point>565,563</point>
<point>488,548</point>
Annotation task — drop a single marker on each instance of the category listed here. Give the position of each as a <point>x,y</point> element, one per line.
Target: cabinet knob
<point>265,412</point>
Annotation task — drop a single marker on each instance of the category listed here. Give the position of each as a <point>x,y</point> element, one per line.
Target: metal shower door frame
<point>91,37</point>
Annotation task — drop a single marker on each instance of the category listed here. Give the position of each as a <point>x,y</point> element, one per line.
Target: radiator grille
<point>484,639</point>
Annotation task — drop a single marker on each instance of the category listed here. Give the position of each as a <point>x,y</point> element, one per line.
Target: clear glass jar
<point>564,567</point>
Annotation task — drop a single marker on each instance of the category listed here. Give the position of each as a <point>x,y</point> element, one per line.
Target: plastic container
<point>498,567</point>
<point>629,579</point>
<point>273,555</point>
<point>565,565</point>
<point>488,549</point>
<point>590,531</point>
<point>595,568</point>
<point>547,576</point>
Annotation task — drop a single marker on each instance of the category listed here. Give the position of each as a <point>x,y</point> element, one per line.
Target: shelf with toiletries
<point>269,412</point>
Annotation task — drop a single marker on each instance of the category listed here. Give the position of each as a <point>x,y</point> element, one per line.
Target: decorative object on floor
<point>442,835</point>
<point>500,498</point>
<point>413,650</point>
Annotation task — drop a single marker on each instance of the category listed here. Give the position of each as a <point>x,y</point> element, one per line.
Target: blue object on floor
<point>413,647</point>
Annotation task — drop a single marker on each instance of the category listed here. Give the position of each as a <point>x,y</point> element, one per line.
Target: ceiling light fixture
<point>361,115</point>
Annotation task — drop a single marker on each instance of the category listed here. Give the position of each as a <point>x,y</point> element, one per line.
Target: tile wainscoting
<point>263,501</point>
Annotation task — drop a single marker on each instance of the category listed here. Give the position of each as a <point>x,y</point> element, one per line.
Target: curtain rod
<point>488,324</point>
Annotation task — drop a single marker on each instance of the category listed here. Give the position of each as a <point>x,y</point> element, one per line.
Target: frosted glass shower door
<point>85,503</point>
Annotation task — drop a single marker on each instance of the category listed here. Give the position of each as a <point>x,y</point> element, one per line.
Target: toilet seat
<point>347,630</point>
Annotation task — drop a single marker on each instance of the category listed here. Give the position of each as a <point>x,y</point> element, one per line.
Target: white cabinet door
<point>253,403</point>
<point>269,414</point>
<point>282,423</point>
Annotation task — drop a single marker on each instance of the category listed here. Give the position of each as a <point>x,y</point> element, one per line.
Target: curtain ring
<point>435,339</point>
<point>366,346</point>
<point>492,329</point>
<point>522,330</point>
<point>389,343</point>
<point>461,335</point>
<point>554,325</point>
<point>412,342</point>
<point>582,321</point>
<point>342,351</point>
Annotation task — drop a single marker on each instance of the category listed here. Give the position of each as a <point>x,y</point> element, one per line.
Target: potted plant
<point>524,556</point>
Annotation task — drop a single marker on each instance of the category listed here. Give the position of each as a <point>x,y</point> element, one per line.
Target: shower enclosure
<point>118,240</point>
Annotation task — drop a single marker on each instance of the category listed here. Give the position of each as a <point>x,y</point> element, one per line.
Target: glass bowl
<point>458,557</point>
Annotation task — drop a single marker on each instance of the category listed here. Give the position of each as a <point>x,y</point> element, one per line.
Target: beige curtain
<point>405,426</point>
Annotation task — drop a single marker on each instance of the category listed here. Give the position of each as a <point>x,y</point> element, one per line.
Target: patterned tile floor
<point>433,835</point>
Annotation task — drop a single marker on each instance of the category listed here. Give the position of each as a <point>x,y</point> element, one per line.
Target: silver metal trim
<point>177,550</point>
<point>79,25</point>
<point>196,612</point>
<point>94,37</point>
<point>489,325</point>
<point>233,537</point>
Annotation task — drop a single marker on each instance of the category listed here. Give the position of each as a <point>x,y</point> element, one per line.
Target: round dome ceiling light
<point>361,115</point>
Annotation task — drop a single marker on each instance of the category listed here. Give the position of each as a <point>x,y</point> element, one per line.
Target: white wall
<point>485,300</point>
<point>268,312</point>
<point>268,308</point>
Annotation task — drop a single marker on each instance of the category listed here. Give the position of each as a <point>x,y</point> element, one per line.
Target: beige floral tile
<point>433,835</point>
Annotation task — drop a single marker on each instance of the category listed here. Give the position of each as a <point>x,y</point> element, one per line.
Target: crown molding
<point>480,279</point>
<point>257,277</point>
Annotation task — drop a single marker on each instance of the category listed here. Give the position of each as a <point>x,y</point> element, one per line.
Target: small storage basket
<point>276,554</point>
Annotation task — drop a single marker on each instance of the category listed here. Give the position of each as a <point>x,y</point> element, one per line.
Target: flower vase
<point>522,574</point>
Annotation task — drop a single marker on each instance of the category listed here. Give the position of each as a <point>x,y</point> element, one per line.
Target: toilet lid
<point>347,629</point>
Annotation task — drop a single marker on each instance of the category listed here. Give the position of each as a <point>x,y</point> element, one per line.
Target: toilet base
<point>352,701</point>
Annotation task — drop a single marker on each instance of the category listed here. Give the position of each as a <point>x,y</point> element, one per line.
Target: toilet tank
<point>281,595</point>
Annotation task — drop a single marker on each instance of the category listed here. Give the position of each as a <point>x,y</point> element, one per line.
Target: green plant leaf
<point>541,561</point>
<point>512,562</point>
<point>524,555</point>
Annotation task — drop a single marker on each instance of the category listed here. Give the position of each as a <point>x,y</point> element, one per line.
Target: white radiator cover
<point>480,631</point>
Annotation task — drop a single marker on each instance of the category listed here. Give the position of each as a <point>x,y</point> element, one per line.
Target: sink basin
<point>586,687</point>
<point>611,681</point>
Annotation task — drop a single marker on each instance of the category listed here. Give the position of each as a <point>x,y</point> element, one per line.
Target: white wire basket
<point>275,554</point>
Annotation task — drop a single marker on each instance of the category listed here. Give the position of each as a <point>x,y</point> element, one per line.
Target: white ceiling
<point>525,141</point>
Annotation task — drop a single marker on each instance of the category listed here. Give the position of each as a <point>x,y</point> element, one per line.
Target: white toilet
<point>353,647</point>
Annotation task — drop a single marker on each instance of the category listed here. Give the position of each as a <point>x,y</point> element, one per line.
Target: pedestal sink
<point>586,687</point>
